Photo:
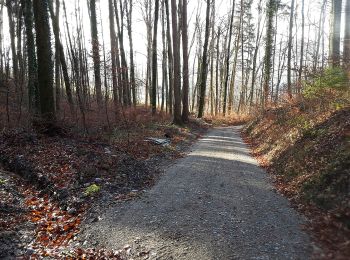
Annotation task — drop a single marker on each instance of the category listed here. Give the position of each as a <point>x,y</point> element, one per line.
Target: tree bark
<point>185,70</point>
<point>45,65</point>
<point>177,77</point>
<point>204,70</point>
<point>290,46</point>
<point>154,59</point>
<point>96,51</point>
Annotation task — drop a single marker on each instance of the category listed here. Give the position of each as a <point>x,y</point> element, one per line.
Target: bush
<point>332,79</point>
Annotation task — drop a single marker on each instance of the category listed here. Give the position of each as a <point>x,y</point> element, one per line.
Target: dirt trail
<point>216,203</point>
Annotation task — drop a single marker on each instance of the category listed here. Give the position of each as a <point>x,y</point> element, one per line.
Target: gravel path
<point>216,203</point>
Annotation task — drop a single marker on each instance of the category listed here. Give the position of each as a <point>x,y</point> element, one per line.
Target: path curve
<point>216,203</point>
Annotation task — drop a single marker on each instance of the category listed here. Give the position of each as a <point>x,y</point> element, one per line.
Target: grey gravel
<point>216,203</point>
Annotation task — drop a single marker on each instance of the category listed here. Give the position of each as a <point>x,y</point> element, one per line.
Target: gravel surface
<point>216,203</point>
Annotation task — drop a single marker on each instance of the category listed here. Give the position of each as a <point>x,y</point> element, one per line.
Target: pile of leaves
<point>308,155</point>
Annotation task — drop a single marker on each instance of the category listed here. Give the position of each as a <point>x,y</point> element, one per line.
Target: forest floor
<point>50,183</point>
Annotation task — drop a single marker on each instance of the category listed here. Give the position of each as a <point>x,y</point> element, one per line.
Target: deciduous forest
<point>157,129</point>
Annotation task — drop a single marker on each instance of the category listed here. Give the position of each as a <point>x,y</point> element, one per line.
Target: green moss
<point>92,189</point>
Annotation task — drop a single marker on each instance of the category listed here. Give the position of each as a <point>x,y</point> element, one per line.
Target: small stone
<point>72,211</point>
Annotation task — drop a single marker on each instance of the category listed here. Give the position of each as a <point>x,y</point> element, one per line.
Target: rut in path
<point>216,203</point>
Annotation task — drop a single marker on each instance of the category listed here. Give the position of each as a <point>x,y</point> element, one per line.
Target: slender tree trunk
<point>32,63</point>
<point>290,46</point>
<point>170,58</point>
<point>154,59</point>
<point>124,68</point>
<point>177,77</point>
<point>204,69</point>
<point>301,63</point>
<point>228,57</point>
<point>217,72</point>
<point>113,55</point>
<point>96,51</point>
<point>271,10</point>
<point>13,39</point>
<point>185,72</point>
<point>61,56</point>
<point>132,64</point>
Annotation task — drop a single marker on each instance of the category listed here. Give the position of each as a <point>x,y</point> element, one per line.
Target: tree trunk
<point>170,58</point>
<point>32,63</point>
<point>96,51</point>
<point>177,77</point>
<point>113,55</point>
<point>302,45</point>
<point>290,46</point>
<point>271,10</point>
<point>228,58</point>
<point>204,70</point>
<point>154,59</point>
<point>185,71</point>
<point>61,56</point>
<point>45,65</point>
<point>132,64</point>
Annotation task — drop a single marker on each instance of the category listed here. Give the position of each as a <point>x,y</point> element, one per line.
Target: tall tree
<point>185,71</point>
<point>177,77</point>
<point>290,46</point>
<point>271,10</point>
<point>336,26</point>
<point>131,44</point>
<point>170,58</point>
<point>113,54</point>
<point>10,4</point>
<point>228,57</point>
<point>154,59</point>
<point>204,67</point>
<point>96,51</point>
<point>31,54</point>
<point>45,65</point>
<point>301,63</point>
<point>124,68</point>
<point>60,55</point>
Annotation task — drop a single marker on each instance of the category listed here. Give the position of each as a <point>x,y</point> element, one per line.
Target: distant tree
<point>45,65</point>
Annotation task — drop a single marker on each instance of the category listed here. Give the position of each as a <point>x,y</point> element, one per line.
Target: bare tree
<point>185,71</point>
<point>204,67</point>
<point>45,65</point>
